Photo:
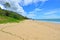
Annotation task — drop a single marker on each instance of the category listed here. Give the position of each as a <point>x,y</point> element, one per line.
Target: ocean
<point>49,20</point>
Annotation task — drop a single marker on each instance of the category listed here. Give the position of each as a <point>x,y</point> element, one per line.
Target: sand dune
<point>30,30</point>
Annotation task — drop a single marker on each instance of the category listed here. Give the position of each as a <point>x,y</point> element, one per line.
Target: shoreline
<point>48,21</point>
<point>30,30</point>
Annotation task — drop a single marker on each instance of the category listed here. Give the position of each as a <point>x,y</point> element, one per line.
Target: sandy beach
<point>30,30</point>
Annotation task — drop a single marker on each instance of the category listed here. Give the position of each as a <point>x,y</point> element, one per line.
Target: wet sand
<point>30,30</point>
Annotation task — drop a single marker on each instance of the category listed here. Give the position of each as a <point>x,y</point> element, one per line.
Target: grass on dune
<point>4,19</point>
<point>9,16</point>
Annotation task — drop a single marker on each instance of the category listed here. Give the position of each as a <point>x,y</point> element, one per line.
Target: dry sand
<point>30,30</point>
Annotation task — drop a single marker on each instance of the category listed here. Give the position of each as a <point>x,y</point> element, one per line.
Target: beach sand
<point>30,30</point>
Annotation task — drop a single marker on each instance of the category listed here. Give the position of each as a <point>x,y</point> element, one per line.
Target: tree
<point>7,5</point>
<point>0,7</point>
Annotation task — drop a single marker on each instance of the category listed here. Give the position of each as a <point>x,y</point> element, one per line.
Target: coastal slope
<point>30,30</point>
<point>7,16</point>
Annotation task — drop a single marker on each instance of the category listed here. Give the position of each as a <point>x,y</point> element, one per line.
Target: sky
<point>35,9</point>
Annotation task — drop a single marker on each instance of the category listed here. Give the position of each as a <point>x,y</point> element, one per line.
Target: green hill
<point>9,16</point>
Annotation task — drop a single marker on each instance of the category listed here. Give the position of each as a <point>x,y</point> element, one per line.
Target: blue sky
<point>36,9</point>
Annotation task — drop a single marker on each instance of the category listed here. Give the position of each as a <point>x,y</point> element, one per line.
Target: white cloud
<point>16,7</point>
<point>51,17</point>
<point>27,2</point>
<point>2,6</point>
<point>36,10</point>
<point>15,3</point>
<point>41,14</point>
<point>31,15</point>
<point>50,13</point>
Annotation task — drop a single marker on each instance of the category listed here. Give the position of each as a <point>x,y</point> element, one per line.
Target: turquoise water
<point>50,20</point>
